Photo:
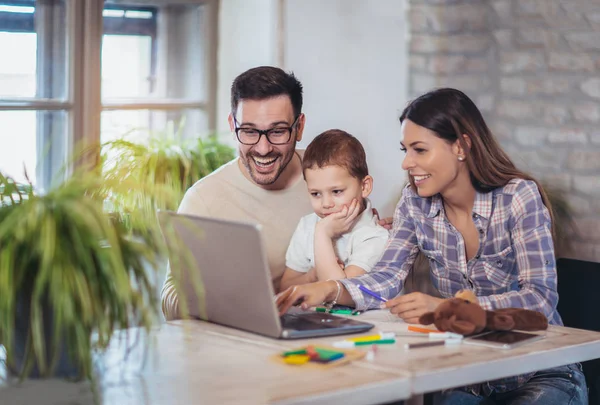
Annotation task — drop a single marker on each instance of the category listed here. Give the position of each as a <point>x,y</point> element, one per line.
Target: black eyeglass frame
<point>265,132</point>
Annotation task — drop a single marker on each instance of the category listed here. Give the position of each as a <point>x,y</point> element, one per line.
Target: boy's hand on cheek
<point>341,222</point>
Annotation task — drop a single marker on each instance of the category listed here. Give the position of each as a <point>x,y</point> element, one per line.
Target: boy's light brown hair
<point>335,147</point>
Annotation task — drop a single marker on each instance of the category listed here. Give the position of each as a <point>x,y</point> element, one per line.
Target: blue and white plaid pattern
<point>514,266</point>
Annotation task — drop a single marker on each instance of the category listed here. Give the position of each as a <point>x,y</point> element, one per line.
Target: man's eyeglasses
<point>278,135</point>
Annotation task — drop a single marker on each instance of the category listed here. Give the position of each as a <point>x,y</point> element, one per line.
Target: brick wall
<point>533,68</point>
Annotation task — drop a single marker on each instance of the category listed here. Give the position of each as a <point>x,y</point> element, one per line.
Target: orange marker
<point>422,330</point>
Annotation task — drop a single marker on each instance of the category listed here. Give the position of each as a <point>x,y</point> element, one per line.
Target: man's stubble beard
<point>259,179</point>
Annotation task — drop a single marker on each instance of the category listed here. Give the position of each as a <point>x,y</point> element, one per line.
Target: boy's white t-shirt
<point>362,246</point>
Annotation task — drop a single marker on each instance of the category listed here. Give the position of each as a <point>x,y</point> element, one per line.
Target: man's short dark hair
<point>336,148</point>
<point>265,82</point>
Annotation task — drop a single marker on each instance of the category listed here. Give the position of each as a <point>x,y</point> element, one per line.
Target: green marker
<point>341,311</point>
<point>294,352</point>
<point>347,344</point>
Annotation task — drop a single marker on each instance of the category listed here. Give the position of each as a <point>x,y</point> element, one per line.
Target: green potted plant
<point>163,158</point>
<point>69,271</point>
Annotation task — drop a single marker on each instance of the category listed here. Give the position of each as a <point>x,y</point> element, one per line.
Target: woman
<point>484,225</point>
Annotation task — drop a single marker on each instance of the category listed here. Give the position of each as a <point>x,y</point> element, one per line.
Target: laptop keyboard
<point>310,321</point>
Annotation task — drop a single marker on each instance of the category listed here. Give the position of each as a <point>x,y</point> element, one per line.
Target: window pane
<point>23,144</point>
<point>126,66</point>
<point>18,148</point>
<point>36,64</point>
<point>17,73</point>
<point>154,51</point>
<point>140,124</point>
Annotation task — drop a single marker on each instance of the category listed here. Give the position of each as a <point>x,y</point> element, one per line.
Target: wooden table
<point>202,363</point>
<point>190,362</point>
<point>436,368</point>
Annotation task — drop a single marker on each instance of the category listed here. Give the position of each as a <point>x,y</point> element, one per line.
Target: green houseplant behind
<point>163,158</point>
<point>68,269</point>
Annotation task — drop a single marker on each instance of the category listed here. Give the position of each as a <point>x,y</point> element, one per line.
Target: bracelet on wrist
<point>331,304</point>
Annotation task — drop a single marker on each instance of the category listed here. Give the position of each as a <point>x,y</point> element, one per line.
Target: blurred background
<point>83,72</point>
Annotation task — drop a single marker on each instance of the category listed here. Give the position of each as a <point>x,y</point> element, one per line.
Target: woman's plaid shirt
<point>514,266</point>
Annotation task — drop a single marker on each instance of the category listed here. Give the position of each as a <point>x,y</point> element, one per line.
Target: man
<point>264,184</point>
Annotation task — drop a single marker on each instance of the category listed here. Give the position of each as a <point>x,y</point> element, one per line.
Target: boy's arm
<point>326,230</point>
<point>292,277</point>
<point>354,271</point>
<point>326,261</point>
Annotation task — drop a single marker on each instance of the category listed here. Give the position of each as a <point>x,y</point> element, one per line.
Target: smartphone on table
<point>503,339</point>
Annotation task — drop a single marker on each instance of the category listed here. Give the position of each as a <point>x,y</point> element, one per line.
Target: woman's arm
<point>531,239</point>
<point>388,275</point>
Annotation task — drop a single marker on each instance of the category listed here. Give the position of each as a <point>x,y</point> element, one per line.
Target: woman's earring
<point>461,158</point>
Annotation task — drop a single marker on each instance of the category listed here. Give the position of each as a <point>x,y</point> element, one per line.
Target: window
<point>153,70</point>
<point>33,113</point>
<point>84,71</point>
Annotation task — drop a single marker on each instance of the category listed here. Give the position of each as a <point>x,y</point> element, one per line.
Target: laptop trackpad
<point>300,324</point>
<point>314,320</point>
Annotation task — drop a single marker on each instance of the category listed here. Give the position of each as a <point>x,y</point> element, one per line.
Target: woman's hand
<point>306,295</point>
<point>385,222</point>
<point>411,306</point>
<point>339,223</point>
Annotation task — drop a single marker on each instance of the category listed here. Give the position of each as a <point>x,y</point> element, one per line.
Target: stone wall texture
<point>533,68</point>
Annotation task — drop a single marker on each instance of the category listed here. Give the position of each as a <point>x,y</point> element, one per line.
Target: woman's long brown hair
<point>449,113</point>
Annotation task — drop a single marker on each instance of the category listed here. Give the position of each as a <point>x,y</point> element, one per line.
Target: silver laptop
<point>229,259</point>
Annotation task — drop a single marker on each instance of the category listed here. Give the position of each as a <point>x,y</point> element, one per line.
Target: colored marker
<point>380,336</point>
<point>444,335</point>
<point>431,335</point>
<point>422,330</point>
<point>346,344</point>
<point>371,293</point>
<point>447,342</point>
<point>341,311</point>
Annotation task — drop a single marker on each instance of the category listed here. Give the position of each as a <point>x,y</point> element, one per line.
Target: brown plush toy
<point>462,314</point>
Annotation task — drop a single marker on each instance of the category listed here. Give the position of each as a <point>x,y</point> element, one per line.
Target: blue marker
<point>371,293</point>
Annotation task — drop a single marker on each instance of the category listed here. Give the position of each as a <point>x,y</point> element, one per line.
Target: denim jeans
<point>556,386</point>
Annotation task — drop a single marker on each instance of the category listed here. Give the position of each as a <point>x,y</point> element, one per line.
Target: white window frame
<point>83,103</point>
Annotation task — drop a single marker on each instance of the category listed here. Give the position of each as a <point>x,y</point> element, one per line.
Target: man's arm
<point>193,204</point>
<point>168,297</point>
<point>292,277</point>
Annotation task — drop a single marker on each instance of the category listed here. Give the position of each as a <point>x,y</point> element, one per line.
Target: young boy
<point>342,238</point>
